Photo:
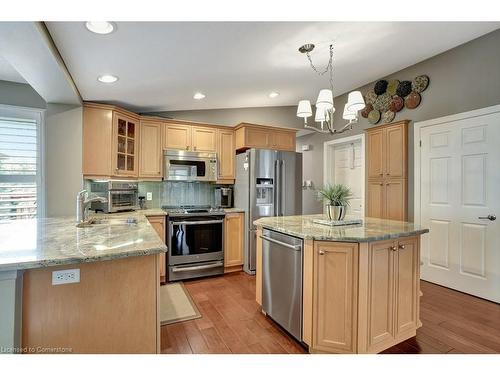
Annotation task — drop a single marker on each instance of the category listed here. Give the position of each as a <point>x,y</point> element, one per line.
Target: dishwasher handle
<point>293,247</point>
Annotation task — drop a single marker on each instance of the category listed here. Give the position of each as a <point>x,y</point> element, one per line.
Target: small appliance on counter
<point>121,195</point>
<point>224,197</point>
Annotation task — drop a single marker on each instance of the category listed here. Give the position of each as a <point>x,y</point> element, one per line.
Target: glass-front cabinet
<point>125,141</point>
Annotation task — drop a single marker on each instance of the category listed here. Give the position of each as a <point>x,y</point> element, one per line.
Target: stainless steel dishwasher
<point>282,280</point>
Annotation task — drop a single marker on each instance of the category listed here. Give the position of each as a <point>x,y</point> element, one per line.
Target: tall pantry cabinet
<point>387,159</point>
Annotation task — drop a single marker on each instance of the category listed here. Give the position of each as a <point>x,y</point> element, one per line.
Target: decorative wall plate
<point>420,83</point>
<point>392,87</point>
<point>397,104</point>
<point>380,87</point>
<point>404,89</point>
<point>382,103</point>
<point>413,100</point>
<point>374,117</point>
<point>388,116</point>
<point>365,111</point>
<point>370,97</point>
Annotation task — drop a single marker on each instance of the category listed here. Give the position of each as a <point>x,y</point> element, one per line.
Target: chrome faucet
<point>82,203</point>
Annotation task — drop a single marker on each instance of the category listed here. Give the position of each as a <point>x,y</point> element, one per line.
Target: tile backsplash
<point>168,193</point>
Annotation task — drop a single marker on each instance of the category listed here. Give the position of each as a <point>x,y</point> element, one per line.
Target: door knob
<point>401,246</point>
<point>393,248</point>
<point>321,252</point>
<point>489,217</point>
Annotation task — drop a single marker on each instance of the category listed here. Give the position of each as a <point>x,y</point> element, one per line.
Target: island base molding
<point>113,309</point>
<point>358,297</point>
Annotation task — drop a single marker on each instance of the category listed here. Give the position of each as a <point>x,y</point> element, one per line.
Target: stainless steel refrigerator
<point>268,183</point>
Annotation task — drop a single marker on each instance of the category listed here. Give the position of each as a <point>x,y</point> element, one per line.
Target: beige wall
<point>63,158</point>
<point>462,79</point>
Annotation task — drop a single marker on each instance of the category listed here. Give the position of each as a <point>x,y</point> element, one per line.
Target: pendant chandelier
<point>324,104</point>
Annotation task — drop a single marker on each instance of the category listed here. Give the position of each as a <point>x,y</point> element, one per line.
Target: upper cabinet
<point>204,139</point>
<point>150,150</point>
<point>226,155</point>
<point>124,145</point>
<point>177,136</point>
<point>387,155</point>
<point>258,136</point>
<point>110,142</point>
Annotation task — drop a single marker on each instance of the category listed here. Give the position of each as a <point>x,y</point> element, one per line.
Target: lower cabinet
<point>335,297</point>
<point>158,223</point>
<point>233,241</point>
<point>365,295</point>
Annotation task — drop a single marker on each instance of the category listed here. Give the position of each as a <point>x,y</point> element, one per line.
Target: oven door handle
<point>196,268</point>
<point>196,222</point>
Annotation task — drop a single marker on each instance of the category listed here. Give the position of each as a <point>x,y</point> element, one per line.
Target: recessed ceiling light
<point>107,78</point>
<point>273,94</point>
<point>100,27</point>
<point>198,96</point>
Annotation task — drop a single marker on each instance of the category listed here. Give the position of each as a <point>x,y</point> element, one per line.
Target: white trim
<point>353,138</point>
<point>417,127</point>
<point>38,115</point>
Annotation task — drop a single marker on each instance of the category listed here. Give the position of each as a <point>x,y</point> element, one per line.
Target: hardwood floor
<point>231,322</point>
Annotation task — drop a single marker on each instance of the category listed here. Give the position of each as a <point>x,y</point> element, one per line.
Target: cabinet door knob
<point>187,147</point>
<point>401,246</point>
<point>321,252</point>
<point>393,248</point>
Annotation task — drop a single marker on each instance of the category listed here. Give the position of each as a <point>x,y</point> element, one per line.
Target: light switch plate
<point>66,276</point>
<point>149,196</point>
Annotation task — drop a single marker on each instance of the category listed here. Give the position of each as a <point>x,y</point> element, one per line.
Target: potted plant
<point>337,197</point>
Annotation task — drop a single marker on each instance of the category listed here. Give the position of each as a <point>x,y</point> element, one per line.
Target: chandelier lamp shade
<point>324,104</point>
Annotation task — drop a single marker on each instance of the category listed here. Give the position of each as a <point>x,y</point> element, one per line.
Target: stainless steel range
<point>195,238</point>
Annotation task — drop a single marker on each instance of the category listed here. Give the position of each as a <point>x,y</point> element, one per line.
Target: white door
<point>344,164</point>
<point>459,188</point>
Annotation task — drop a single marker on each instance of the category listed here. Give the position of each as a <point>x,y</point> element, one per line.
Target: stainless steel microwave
<point>189,166</point>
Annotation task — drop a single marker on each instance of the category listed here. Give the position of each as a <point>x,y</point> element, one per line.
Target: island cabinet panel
<point>158,223</point>
<point>335,297</point>
<point>176,136</point>
<point>388,293</point>
<point>113,309</point>
<point>204,139</point>
<point>226,154</point>
<point>233,246</point>
<point>150,150</point>
<point>407,265</point>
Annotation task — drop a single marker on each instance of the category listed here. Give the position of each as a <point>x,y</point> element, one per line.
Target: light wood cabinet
<point>234,235</point>
<point>386,155</point>
<point>125,144</point>
<point>335,297</point>
<point>158,223</point>
<point>389,289</point>
<point>177,136</point>
<point>150,150</point>
<point>226,154</point>
<point>267,137</point>
<point>204,139</point>
<point>97,133</point>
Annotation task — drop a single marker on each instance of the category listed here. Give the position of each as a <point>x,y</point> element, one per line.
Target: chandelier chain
<point>328,68</point>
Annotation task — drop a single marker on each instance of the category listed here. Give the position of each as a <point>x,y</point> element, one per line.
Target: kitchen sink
<point>105,221</point>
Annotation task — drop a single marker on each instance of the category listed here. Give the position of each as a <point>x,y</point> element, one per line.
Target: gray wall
<point>63,158</point>
<point>20,94</point>
<point>462,79</point>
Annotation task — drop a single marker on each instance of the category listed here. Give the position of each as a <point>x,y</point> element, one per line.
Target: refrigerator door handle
<point>276,189</point>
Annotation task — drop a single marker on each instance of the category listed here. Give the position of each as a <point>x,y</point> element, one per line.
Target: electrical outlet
<point>66,276</point>
<point>149,196</point>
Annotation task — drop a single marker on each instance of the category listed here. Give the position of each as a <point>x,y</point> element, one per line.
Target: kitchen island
<point>109,304</point>
<point>360,282</point>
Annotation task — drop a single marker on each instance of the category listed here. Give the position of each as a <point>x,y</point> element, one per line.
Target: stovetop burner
<point>192,210</point>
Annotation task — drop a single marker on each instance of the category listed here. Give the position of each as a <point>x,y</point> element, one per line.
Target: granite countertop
<point>372,229</point>
<point>37,243</point>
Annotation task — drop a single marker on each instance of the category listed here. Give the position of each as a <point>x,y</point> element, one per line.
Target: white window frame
<point>38,115</point>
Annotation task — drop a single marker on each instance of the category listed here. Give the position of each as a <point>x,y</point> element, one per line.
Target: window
<point>19,164</point>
